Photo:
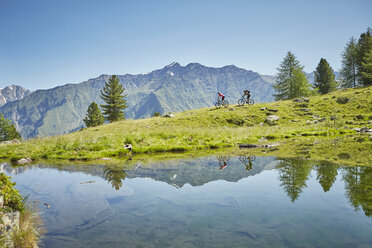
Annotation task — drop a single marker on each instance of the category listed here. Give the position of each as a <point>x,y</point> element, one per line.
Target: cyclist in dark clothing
<point>248,94</point>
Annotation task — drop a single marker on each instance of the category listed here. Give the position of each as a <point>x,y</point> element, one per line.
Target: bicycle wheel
<point>242,158</point>
<point>226,104</point>
<point>253,158</point>
<point>241,102</point>
<point>250,102</point>
<point>218,105</point>
<point>226,157</point>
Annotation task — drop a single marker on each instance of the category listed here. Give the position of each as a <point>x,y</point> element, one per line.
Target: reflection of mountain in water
<point>177,173</point>
<point>201,171</point>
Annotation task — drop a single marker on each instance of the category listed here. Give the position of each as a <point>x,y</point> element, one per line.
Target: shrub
<point>235,121</point>
<point>342,100</point>
<point>155,114</point>
<point>12,198</point>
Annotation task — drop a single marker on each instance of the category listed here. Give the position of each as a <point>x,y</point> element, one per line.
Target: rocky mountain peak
<point>12,93</point>
<point>173,65</point>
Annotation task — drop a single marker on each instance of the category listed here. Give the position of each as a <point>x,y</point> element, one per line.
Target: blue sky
<point>46,43</point>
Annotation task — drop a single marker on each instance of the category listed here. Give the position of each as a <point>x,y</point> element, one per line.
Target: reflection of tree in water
<point>326,174</point>
<point>358,187</point>
<point>293,173</point>
<point>114,175</point>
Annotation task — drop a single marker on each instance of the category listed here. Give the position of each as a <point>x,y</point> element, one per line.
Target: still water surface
<point>207,202</point>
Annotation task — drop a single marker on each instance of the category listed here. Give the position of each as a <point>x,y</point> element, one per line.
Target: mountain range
<point>173,88</point>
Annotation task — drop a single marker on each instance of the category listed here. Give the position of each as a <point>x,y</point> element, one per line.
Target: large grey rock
<point>365,130</point>
<point>169,115</point>
<point>13,141</point>
<point>9,221</point>
<point>24,161</point>
<point>272,118</point>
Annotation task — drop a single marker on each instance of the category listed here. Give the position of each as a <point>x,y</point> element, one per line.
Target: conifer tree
<point>115,100</point>
<point>364,47</point>
<point>349,65</point>
<point>293,174</point>
<point>324,77</point>
<point>94,116</point>
<point>291,80</point>
<point>326,174</point>
<point>367,69</point>
<point>7,130</point>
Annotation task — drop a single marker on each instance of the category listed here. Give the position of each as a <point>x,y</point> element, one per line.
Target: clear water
<point>271,202</point>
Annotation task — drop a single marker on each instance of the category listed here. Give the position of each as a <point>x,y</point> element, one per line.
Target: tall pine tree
<point>115,100</point>
<point>324,78</point>
<point>349,65</point>
<point>363,48</point>
<point>94,116</point>
<point>367,69</point>
<point>7,130</point>
<point>291,80</point>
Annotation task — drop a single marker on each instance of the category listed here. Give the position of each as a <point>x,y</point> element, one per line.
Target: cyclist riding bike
<point>248,94</point>
<point>222,96</point>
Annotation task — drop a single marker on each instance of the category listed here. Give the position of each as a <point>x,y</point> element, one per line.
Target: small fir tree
<point>291,80</point>
<point>349,65</point>
<point>115,100</point>
<point>7,130</point>
<point>324,78</point>
<point>94,116</point>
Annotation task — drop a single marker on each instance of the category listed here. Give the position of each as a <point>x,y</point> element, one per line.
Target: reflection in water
<point>293,174</point>
<point>326,174</point>
<point>191,203</point>
<point>222,160</point>
<point>247,161</point>
<point>114,174</point>
<point>358,187</point>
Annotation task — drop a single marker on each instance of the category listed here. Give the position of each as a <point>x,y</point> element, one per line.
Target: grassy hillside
<point>173,88</point>
<point>327,116</point>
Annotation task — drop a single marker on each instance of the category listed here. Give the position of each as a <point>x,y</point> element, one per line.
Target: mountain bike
<point>223,158</point>
<point>244,100</point>
<point>244,158</point>
<point>220,103</point>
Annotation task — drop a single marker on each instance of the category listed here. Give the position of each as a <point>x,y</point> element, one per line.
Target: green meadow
<point>319,120</point>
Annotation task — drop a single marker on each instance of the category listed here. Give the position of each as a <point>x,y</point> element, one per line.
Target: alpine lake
<point>224,200</point>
